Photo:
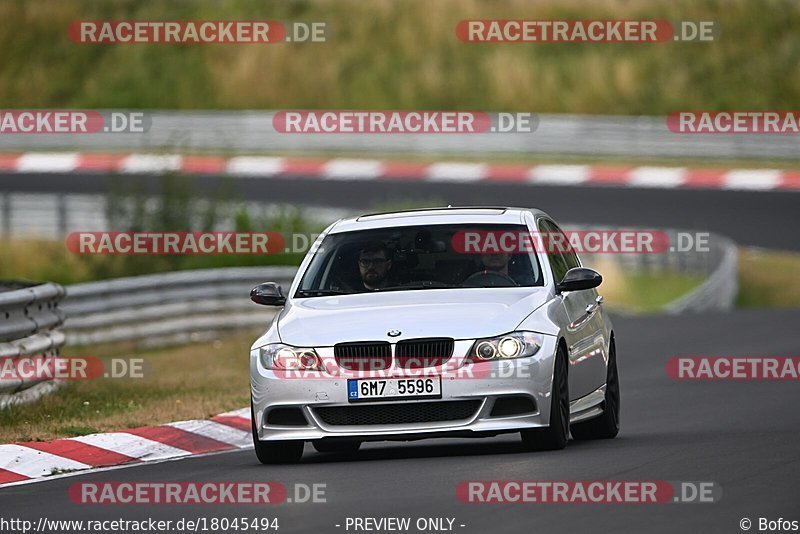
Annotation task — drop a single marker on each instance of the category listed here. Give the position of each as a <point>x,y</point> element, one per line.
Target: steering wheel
<point>489,279</point>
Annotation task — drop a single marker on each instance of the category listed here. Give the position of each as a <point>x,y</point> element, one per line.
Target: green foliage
<point>173,206</point>
<point>403,54</point>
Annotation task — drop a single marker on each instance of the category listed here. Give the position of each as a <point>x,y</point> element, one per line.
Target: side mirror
<point>579,278</point>
<point>268,293</point>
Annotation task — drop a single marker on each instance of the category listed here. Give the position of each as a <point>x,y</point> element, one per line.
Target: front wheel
<point>606,425</point>
<point>553,437</point>
<point>275,452</point>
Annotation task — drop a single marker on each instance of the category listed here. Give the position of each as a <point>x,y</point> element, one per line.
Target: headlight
<point>280,356</point>
<point>513,345</point>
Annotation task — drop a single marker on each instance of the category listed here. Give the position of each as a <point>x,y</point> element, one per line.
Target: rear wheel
<point>553,437</point>
<point>605,426</point>
<point>336,446</point>
<point>275,452</point>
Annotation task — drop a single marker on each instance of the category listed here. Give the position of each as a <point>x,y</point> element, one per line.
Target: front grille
<point>363,356</point>
<point>398,414</point>
<point>416,353</point>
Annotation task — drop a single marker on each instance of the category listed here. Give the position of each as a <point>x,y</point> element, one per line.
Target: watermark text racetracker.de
<point>196,493</point>
<point>402,122</point>
<point>587,492</point>
<point>411,375</point>
<point>196,32</point>
<point>158,243</point>
<point>72,121</point>
<point>586,31</point>
<point>41,367</point>
<point>733,368</point>
<point>618,241</point>
<point>734,122</point>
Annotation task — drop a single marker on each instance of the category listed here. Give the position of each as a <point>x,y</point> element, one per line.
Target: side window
<point>569,254</point>
<point>557,261</point>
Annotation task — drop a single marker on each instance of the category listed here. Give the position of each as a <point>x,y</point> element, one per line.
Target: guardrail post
<point>5,219</point>
<point>62,215</point>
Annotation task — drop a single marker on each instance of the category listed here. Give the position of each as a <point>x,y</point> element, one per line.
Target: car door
<point>584,332</point>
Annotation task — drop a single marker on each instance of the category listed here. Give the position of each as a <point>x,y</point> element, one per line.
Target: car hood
<point>457,313</point>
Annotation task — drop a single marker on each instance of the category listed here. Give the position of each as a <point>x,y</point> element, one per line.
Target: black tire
<point>555,436</point>
<point>605,426</point>
<point>342,447</point>
<point>275,452</point>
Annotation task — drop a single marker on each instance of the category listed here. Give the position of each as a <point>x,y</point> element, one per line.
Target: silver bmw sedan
<point>450,322</point>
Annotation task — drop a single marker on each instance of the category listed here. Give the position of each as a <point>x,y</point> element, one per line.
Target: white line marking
<point>121,466</point>
<point>151,163</point>
<point>755,179</point>
<point>130,445</point>
<point>559,174</point>
<point>663,177</point>
<point>32,463</point>
<point>255,166</point>
<point>241,412</point>
<point>48,162</point>
<point>352,169</point>
<point>210,429</point>
<point>457,172</point>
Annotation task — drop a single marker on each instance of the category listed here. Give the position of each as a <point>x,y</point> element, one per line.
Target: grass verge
<point>654,291</point>
<point>195,381</point>
<point>768,278</point>
<point>625,292</point>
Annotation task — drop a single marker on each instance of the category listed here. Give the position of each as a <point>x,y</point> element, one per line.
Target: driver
<point>495,262</point>
<point>374,264</point>
<point>494,272</point>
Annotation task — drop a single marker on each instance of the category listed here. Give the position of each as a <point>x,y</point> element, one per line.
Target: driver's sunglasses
<point>378,262</point>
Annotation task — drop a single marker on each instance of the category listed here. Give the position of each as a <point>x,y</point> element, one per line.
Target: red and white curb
<point>20,462</point>
<point>372,169</point>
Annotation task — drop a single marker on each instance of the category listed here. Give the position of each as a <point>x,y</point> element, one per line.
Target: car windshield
<point>416,257</point>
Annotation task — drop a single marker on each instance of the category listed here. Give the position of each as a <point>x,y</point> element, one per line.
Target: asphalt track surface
<point>743,435</point>
<point>769,219</point>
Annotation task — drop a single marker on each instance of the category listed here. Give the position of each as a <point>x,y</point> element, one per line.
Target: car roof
<point>432,216</point>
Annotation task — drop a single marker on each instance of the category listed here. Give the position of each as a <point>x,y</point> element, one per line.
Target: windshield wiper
<point>418,285</point>
<point>321,292</point>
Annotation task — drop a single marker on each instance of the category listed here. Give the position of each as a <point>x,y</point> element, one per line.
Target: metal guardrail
<point>177,307</point>
<point>168,308</point>
<point>28,308</point>
<point>56,215</point>
<point>717,265</point>
<point>245,132</point>
<point>29,318</point>
<point>719,290</point>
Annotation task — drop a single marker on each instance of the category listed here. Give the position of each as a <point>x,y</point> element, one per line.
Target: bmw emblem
<point>394,333</point>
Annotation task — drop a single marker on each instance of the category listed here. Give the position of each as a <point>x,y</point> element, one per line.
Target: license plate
<point>394,389</point>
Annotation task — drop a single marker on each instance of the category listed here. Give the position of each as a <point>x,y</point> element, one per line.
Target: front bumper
<point>522,378</point>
